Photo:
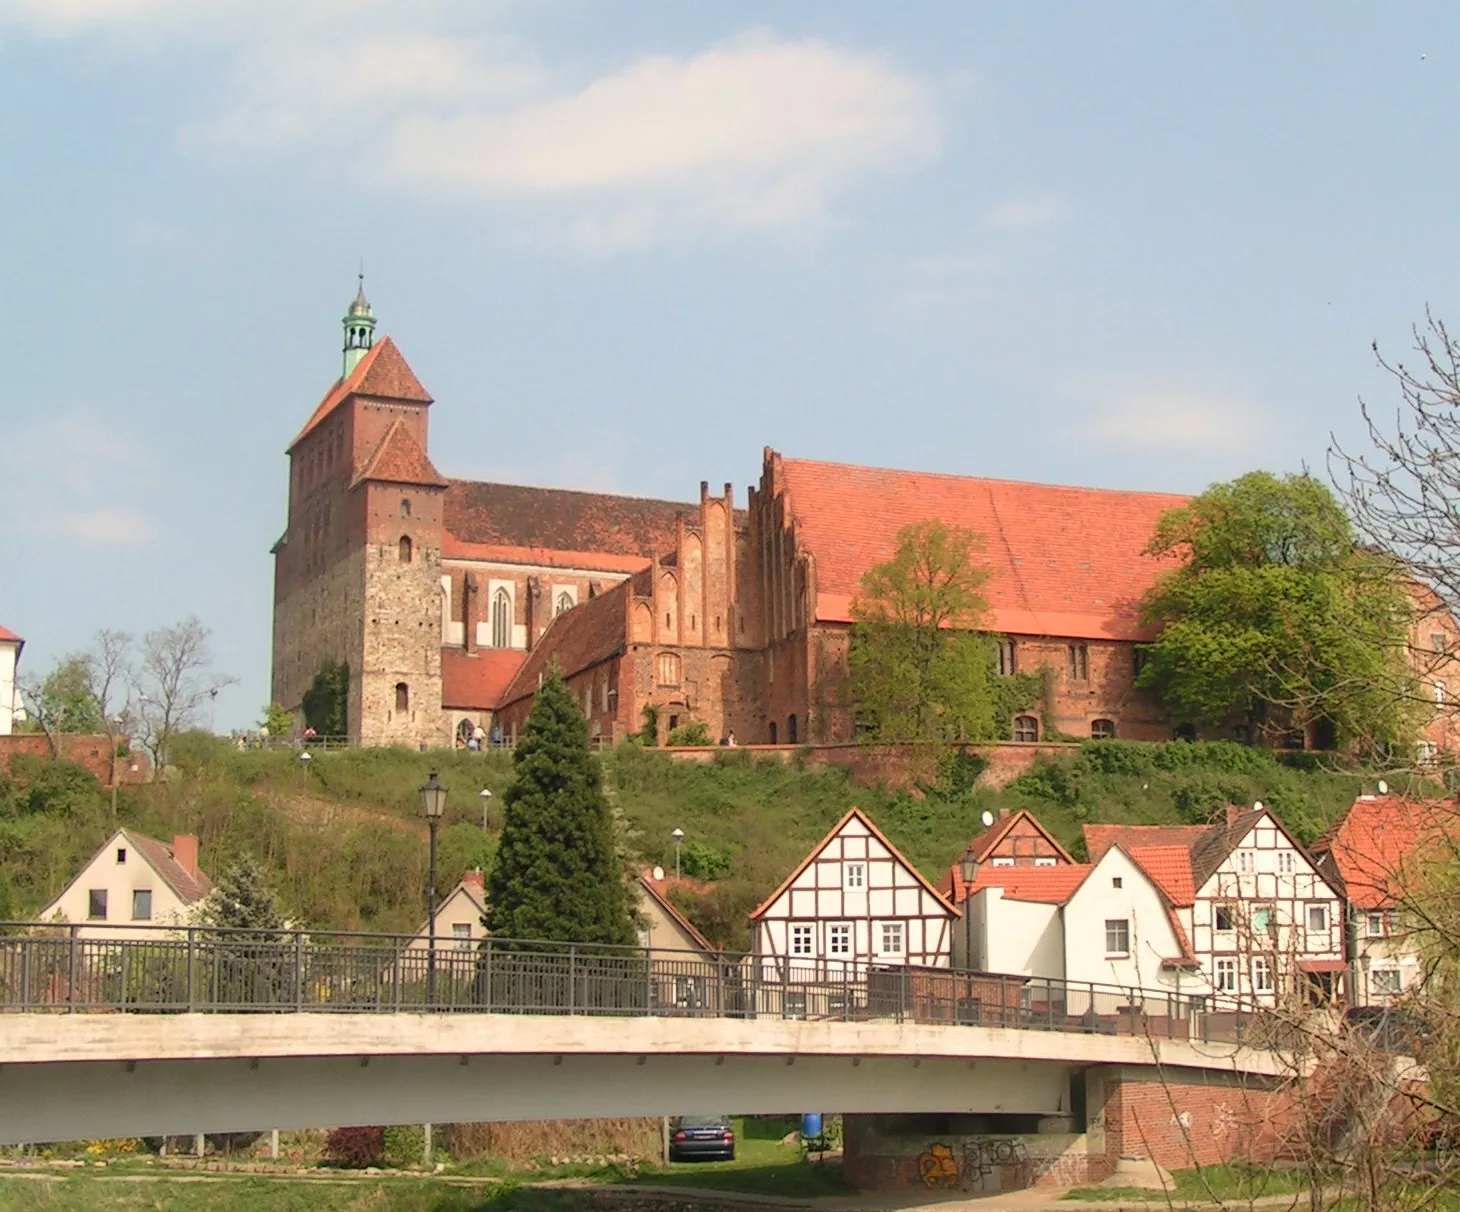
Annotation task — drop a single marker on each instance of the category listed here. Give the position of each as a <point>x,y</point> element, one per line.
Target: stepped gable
<point>1064,561</point>
<point>590,632</point>
<point>1100,838</point>
<point>382,373</point>
<point>398,459</point>
<point>474,681</point>
<point>1373,845</point>
<point>512,515</point>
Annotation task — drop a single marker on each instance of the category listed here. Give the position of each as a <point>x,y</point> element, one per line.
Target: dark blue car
<point>701,1138</point>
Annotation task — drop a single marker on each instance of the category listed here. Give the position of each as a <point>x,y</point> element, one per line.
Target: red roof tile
<point>1100,838</point>
<point>1049,885</point>
<point>1375,844</point>
<point>1170,870</point>
<point>382,373</point>
<point>578,638</point>
<point>398,459</point>
<point>561,519</point>
<point>1064,561</point>
<point>189,887</point>
<point>474,681</point>
<point>453,548</point>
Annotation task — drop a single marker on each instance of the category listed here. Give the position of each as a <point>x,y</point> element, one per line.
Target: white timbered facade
<point>853,903</point>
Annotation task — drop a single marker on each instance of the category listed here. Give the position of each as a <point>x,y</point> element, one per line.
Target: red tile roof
<point>1064,561</point>
<point>1376,844</point>
<point>851,814</point>
<point>1100,838</point>
<point>577,639</point>
<point>189,886</point>
<point>561,519</point>
<point>382,373</point>
<point>453,548</point>
<point>398,459</point>
<point>952,885</point>
<point>1170,870</point>
<point>474,681</point>
<point>9,636</point>
<point>1049,885</point>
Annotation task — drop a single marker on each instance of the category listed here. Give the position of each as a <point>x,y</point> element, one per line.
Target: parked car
<point>701,1138</point>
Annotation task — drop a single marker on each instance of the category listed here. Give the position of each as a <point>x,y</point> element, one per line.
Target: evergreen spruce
<point>243,899</point>
<point>556,876</point>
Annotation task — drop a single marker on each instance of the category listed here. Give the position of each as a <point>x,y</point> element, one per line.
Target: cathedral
<point>448,599</point>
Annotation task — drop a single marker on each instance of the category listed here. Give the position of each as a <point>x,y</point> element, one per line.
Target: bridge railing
<point>161,969</point>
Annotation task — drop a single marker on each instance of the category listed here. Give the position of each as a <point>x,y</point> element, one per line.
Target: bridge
<point>172,1031</point>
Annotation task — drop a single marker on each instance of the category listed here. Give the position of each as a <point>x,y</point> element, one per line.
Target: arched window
<point>1102,730</point>
<point>668,669</point>
<point>405,507</point>
<point>773,732</point>
<point>402,697</point>
<point>564,602</point>
<point>501,619</point>
<point>464,732</point>
<point>1026,728</point>
<point>405,549</point>
<point>791,730</point>
<point>1007,660</point>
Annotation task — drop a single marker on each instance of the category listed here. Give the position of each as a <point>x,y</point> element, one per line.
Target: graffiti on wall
<point>939,1168</point>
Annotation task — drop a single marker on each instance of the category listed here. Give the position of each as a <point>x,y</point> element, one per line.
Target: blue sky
<point>627,245</point>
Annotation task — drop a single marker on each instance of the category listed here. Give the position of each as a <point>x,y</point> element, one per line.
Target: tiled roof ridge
<point>399,441</point>
<point>578,492</point>
<point>562,630</point>
<point>357,383</point>
<point>953,475</point>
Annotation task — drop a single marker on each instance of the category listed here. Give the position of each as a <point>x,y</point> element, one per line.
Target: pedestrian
<point>478,735</point>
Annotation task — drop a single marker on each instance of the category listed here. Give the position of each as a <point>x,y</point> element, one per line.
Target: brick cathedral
<point>447,599</point>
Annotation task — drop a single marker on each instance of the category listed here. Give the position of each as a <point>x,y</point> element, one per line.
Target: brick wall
<point>91,752</point>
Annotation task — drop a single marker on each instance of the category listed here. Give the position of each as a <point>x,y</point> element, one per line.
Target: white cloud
<point>74,473</point>
<point>110,527</point>
<point>1022,214</point>
<point>754,135</point>
<point>1168,421</point>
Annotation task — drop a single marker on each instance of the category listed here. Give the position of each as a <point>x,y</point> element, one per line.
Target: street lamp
<point>304,760</point>
<point>676,837</point>
<point>433,804</point>
<point>968,869</point>
<point>485,795</point>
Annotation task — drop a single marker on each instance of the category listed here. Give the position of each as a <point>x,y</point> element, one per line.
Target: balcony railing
<point>160,970</point>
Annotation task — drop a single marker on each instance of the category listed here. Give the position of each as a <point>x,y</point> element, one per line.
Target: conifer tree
<point>555,876</point>
<point>243,899</point>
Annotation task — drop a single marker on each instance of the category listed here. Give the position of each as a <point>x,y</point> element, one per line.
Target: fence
<point>101,969</point>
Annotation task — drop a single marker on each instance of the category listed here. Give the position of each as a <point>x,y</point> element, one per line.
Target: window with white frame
<point>854,877</point>
<point>1374,925</point>
<point>1226,973</point>
<point>1003,860</point>
<point>1246,862</point>
<point>1287,862</point>
<point>1046,860</point>
<point>564,603</point>
<point>893,938</point>
<point>801,939</point>
<point>1261,974</point>
<point>501,619</point>
<point>1427,752</point>
<point>1117,936</point>
<point>1318,919</point>
<point>839,938</point>
<point>1386,980</point>
<point>461,934</point>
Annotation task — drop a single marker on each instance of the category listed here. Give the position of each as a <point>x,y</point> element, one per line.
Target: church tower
<point>359,323</point>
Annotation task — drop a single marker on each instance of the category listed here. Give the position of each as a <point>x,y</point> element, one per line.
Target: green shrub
<point>701,861</point>
<point>1118,757</point>
<point>405,1145</point>
<point>696,732</point>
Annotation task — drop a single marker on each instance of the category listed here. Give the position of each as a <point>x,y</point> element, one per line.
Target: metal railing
<point>162,969</point>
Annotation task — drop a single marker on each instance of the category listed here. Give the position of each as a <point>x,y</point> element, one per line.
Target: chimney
<point>185,852</point>
<point>474,879</point>
<point>1233,812</point>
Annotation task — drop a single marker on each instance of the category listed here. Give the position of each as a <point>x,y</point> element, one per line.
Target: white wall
<point>1135,901</point>
<point>1022,938</point>
<point>9,658</point>
<point>119,879</point>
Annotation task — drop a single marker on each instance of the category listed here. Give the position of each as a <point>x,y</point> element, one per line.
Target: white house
<point>133,881</point>
<point>853,902</point>
<point>1013,919</point>
<point>10,646</point>
<point>1260,918</point>
<point>458,918</point>
<point>1121,929</point>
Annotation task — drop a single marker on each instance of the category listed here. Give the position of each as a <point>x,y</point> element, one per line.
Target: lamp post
<point>677,837</point>
<point>485,795</point>
<point>433,804</point>
<point>967,868</point>
<point>304,760</point>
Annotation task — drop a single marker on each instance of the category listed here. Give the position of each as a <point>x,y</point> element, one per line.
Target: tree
<point>277,721</point>
<point>1276,618</point>
<point>109,674</point>
<point>62,701</point>
<point>173,683</point>
<point>918,669</point>
<point>327,701</point>
<point>556,876</point>
<point>244,899</point>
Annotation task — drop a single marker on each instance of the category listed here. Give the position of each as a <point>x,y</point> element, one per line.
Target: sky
<point>626,246</point>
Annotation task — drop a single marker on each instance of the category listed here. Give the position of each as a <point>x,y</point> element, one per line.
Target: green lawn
<point>1231,1182</point>
<point>762,1166</point>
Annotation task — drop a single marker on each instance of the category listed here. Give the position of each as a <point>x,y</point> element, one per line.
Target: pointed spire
<point>359,325</point>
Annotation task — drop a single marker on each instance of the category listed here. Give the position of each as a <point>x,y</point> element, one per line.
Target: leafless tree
<point>109,676</point>
<point>173,683</point>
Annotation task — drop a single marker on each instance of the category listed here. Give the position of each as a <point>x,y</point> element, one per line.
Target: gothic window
<point>1102,730</point>
<point>791,730</point>
<point>1079,662</point>
<point>668,669</point>
<point>1007,665</point>
<point>501,619</point>
<point>773,732</point>
<point>405,549</point>
<point>402,697</point>
<point>1026,728</point>
<point>565,602</point>
<point>405,507</point>
<point>1140,654</point>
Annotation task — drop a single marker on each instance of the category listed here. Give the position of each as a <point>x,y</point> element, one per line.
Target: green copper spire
<point>359,325</point>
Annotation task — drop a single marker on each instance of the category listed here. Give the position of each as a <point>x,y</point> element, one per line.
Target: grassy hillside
<point>347,844</point>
